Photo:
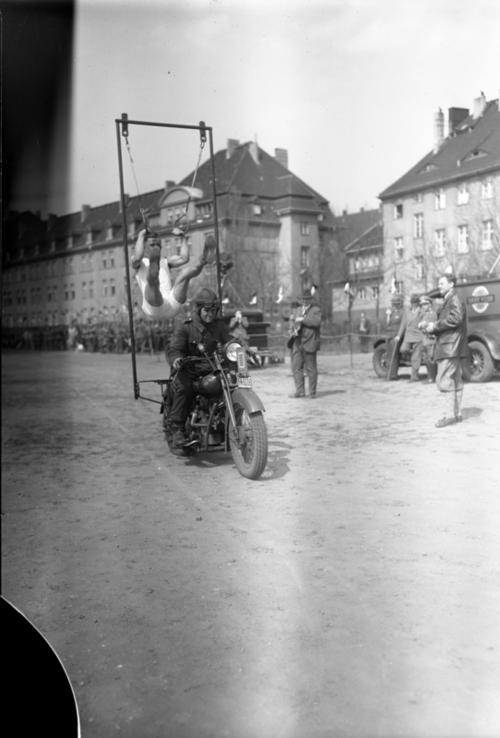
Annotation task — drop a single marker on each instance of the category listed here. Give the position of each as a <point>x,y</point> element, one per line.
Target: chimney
<point>281,156</point>
<point>479,105</point>
<point>232,143</point>
<point>254,151</point>
<point>455,117</point>
<point>438,129</point>
<point>85,213</point>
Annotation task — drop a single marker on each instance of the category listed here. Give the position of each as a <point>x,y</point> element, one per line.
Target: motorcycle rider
<point>200,333</point>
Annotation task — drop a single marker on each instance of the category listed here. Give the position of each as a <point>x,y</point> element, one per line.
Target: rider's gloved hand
<point>177,364</point>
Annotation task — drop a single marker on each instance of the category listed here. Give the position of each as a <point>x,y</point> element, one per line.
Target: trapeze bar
<point>162,125</point>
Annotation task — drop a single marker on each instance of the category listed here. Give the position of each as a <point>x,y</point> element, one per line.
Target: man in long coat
<point>450,330</point>
<point>304,343</point>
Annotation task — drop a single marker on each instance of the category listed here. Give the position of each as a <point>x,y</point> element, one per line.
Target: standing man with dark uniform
<point>304,344</point>
<point>450,330</point>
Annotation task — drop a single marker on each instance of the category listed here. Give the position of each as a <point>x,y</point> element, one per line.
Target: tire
<point>379,360</point>
<point>479,367</point>
<point>250,456</point>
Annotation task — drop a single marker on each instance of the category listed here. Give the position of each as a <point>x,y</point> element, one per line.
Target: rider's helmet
<point>206,298</point>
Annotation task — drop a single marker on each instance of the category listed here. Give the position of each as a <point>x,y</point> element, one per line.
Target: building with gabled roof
<point>356,287</point>
<point>445,211</point>
<point>273,227</point>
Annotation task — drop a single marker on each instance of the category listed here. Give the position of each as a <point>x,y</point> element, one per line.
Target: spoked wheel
<point>379,361</point>
<point>250,452</point>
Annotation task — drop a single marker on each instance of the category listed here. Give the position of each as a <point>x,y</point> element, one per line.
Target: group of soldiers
<point>104,336</point>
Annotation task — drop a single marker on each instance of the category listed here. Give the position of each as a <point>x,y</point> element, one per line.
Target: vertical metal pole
<point>127,266</point>
<point>216,216</point>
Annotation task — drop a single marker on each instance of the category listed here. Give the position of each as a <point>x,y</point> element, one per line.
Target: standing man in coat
<point>304,343</point>
<point>450,330</point>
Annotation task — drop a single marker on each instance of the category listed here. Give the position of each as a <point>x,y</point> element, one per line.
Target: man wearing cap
<point>413,337</point>
<point>201,332</point>
<point>450,329</point>
<point>428,315</point>
<point>304,344</point>
<point>161,298</point>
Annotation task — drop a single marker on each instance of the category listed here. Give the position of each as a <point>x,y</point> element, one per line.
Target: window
<point>112,288</point>
<point>419,267</point>
<point>91,289</point>
<point>398,211</point>
<point>257,209</point>
<point>440,242</point>
<point>418,225</point>
<point>362,293</point>
<point>104,261</point>
<point>88,238</point>
<point>84,290</point>
<point>463,239</point>
<point>463,195</point>
<point>419,197</point>
<point>72,291</point>
<point>109,232</point>
<point>111,257</point>
<point>375,291</point>
<point>398,248</point>
<point>304,229</point>
<point>104,287</point>
<point>439,200</point>
<point>69,242</point>
<point>487,235</point>
<point>304,256</point>
<point>66,292</point>
<point>486,189</point>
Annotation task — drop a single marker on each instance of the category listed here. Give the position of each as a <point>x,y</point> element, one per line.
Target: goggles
<point>209,307</point>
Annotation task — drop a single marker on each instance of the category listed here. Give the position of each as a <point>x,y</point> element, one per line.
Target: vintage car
<point>482,298</point>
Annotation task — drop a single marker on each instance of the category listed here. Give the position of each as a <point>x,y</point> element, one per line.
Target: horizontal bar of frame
<point>162,125</point>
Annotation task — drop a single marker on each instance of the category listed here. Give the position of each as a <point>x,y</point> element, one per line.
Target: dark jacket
<point>450,328</point>
<point>310,331</point>
<point>191,333</point>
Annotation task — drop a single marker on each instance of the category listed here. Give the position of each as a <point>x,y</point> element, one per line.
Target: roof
<point>349,227</point>
<point>372,237</point>
<point>252,171</point>
<point>473,149</point>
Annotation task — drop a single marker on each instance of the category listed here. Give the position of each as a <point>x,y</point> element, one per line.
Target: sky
<point>349,87</point>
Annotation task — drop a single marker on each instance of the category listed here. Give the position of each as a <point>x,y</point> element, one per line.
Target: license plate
<point>244,381</point>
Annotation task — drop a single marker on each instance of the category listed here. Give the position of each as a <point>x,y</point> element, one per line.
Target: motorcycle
<point>226,414</point>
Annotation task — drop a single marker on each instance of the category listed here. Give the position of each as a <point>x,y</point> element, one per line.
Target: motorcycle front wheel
<point>249,452</point>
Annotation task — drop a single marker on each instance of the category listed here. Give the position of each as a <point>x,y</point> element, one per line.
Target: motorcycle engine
<point>210,385</point>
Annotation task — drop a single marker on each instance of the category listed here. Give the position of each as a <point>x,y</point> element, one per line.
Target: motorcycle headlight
<point>231,350</point>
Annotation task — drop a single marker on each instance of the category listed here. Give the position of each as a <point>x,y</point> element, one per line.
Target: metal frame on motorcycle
<point>122,131</point>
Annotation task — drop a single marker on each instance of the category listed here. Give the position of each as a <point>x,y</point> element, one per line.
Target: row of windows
<point>463,239</point>
<point>463,197</point>
<point>20,297</point>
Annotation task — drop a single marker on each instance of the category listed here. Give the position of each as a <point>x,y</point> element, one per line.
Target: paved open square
<point>352,591</point>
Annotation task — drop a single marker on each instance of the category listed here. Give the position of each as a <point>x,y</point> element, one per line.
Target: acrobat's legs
<point>181,284</point>
<point>152,293</point>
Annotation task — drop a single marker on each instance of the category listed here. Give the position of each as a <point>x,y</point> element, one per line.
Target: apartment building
<point>445,211</point>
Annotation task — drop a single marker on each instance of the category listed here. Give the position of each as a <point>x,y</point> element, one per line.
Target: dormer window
<point>257,209</point>
<point>52,247</point>
<point>88,238</point>
<point>109,232</point>
<point>69,242</point>
<point>398,211</point>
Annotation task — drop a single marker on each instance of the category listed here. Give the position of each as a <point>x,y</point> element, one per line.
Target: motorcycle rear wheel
<point>250,456</point>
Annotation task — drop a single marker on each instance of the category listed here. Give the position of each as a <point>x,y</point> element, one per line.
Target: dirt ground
<point>352,591</point>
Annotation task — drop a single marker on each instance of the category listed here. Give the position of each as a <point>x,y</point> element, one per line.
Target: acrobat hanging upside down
<point>161,298</point>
